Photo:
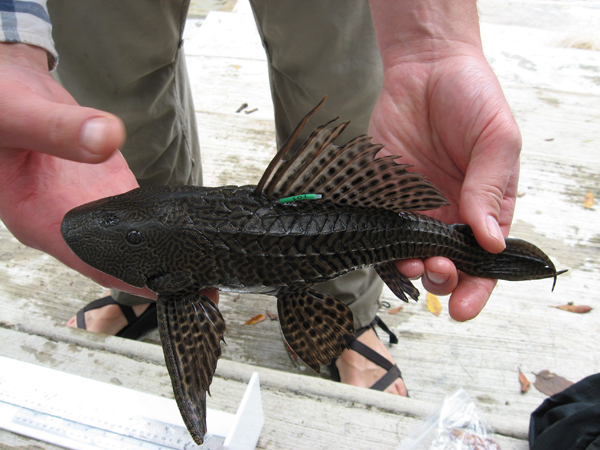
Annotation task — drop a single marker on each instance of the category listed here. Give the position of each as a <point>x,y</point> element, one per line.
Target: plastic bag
<point>455,425</point>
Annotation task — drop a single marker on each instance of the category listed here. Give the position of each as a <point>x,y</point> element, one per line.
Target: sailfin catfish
<point>179,240</point>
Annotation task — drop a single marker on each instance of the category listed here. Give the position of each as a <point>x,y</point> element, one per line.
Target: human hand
<point>46,137</point>
<point>445,113</point>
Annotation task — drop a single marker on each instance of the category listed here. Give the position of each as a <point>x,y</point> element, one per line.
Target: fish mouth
<point>133,277</point>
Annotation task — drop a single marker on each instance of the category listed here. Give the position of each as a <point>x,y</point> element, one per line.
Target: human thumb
<point>487,200</point>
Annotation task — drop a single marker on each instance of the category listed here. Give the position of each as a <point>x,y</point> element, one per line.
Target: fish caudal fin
<point>522,260</point>
<point>519,261</point>
<point>191,329</point>
<point>400,285</point>
<point>314,324</point>
<point>350,174</point>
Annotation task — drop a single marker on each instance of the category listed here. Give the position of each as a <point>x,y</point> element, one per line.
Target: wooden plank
<point>321,415</point>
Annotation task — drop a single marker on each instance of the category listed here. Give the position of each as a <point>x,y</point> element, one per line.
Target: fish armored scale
<point>276,245</point>
<point>179,240</point>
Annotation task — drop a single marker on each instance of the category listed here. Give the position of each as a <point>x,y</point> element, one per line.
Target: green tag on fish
<point>297,198</point>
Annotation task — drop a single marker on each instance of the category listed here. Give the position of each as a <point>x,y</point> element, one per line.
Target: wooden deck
<point>554,92</point>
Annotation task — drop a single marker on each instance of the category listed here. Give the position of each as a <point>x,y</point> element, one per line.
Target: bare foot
<point>359,371</point>
<point>107,320</point>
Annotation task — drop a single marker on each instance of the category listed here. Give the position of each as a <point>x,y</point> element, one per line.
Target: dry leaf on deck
<point>256,319</point>
<point>579,309</point>
<point>549,383</point>
<point>433,304</point>
<point>588,201</point>
<point>525,384</point>
<point>290,351</point>
<point>472,440</point>
<point>271,315</point>
<point>395,310</point>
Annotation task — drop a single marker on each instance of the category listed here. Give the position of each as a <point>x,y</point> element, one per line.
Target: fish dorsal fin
<point>278,161</point>
<point>350,174</point>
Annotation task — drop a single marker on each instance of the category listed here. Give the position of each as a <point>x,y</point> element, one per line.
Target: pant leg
<point>125,57</point>
<point>316,48</point>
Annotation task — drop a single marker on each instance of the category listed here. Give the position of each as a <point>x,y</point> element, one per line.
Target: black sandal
<point>136,326</point>
<point>393,372</point>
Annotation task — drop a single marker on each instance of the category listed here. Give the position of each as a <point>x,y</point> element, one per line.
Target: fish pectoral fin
<point>400,285</point>
<point>314,324</point>
<point>191,329</point>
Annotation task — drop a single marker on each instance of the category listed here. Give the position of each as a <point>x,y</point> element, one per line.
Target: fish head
<point>126,236</point>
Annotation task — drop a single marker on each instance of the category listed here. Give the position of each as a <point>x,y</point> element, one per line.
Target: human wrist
<point>425,30</point>
<point>25,55</point>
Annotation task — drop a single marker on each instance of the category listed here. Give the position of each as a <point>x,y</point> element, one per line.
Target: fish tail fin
<point>520,260</point>
<point>191,329</point>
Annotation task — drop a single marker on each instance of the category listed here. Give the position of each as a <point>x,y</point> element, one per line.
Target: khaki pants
<point>125,57</point>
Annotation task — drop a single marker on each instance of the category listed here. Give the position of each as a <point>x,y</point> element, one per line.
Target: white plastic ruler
<point>80,413</point>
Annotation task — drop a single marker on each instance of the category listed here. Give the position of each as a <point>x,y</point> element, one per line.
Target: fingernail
<point>92,134</point>
<point>494,229</point>
<point>437,278</point>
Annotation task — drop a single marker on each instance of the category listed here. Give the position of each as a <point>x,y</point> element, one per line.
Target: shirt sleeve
<point>28,22</point>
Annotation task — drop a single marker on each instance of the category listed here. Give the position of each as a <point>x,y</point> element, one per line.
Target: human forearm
<point>24,55</point>
<point>28,23</point>
<point>424,29</point>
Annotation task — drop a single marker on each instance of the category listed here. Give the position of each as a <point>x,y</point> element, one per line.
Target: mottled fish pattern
<point>178,240</point>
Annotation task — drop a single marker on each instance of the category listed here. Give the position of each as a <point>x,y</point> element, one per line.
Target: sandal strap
<point>81,319</point>
<point>148,320</point>
<point>392,375</point>
<point>101,302</point>
<point>127,311</point>
<point>371,354</point>
<point>393,372</point>
<point>384,327</point>
<point>381,324</point>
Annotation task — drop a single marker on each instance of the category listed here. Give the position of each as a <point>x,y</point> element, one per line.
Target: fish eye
<point>134,237</point>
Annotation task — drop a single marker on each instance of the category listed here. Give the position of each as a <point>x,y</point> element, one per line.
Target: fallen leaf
<point>549,383</point>
<point>525,384</point>
<point>271,315</point>
<point>588,201</point>
<point>256,319</point>
<point>473,440</point>
<point>433,304</point>
<point>579,309</point>
<point>291,352</point>
<point>395,310</point>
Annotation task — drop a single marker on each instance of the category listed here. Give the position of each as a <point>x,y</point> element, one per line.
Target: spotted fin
<point>314,324</point>
<point>191,329</point>
<point>398,283</point>
<point>350,174</point>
